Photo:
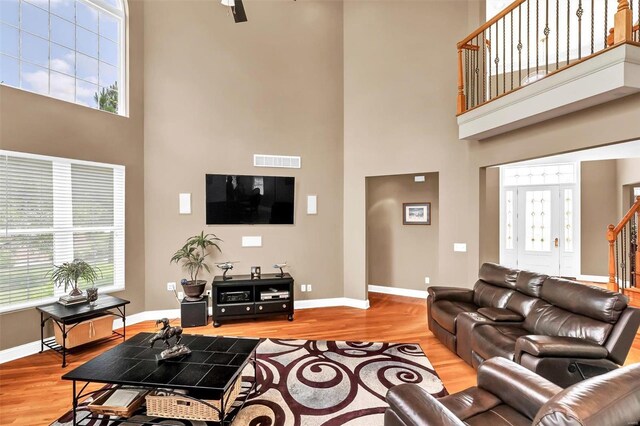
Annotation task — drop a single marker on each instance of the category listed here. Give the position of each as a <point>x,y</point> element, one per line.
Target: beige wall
<point>38,124</point>
<point>216,93</point>
<point>598,209</point>
<point>400,118</point>
<point>400,101</point>
<point>490,215</point>
<point>627,173</point>
<point>400,255</point>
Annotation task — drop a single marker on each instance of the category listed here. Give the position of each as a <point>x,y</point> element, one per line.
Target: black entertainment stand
<point>239,297</point>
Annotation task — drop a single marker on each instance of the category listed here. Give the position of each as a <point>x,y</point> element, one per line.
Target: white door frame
<point>508,194</point>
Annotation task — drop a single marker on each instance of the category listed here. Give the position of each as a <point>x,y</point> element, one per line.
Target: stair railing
<point>624,256</point>
<point>532,39</point>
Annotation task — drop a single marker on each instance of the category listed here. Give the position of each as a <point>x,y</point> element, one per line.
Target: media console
<point>241,297</point>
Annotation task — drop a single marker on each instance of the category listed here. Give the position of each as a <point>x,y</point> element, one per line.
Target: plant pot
<point>194,290</point>
<point>92,295</point>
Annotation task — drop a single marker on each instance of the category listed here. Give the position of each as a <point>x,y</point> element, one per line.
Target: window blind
<point>55,210</point>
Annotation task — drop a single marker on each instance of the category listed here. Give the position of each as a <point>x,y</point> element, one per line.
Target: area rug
<point>309,383</point>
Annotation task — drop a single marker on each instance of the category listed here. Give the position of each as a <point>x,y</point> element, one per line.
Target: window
<point>546,174</point>
<point>54,210</point>
<point>67,49</point>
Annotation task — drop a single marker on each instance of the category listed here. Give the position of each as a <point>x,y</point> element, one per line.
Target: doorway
<point>541,214</point>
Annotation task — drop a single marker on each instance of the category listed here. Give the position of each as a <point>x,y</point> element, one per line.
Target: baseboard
<point>594,278</point>
<point>34,347</point>
<point>147,316</point>
<point>20,351</point>
<point>418,294</point>
<point>332,302</point>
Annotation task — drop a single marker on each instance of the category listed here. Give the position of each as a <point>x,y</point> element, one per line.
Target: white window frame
<point>123,91</point>
<point>62,172</point>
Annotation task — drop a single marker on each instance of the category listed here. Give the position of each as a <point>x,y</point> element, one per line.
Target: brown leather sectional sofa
<point>562,330</point>
<point>510,395</point>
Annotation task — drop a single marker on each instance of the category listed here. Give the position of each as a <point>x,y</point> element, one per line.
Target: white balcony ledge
<point>605,77</point>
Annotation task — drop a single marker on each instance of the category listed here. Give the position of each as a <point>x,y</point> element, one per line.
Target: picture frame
<point>416,213</point>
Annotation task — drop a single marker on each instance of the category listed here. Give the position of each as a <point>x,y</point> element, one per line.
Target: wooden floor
<point>31,392</point>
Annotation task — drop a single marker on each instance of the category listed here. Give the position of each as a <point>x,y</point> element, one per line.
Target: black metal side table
<point>72,315</point>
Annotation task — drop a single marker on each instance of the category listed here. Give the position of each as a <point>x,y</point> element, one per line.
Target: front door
<point>538,241</point>
<point>540,228</point>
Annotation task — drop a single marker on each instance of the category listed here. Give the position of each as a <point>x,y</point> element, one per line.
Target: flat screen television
<point>242,200</point>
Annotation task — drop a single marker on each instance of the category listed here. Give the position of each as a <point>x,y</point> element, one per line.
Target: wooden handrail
<point>623,33</point>
<point>612,235</point>
<point>490,22</point>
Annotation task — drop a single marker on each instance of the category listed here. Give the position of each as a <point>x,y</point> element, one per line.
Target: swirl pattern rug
<point>317,383</point>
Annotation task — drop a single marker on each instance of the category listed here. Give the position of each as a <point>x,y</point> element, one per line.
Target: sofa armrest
<point>501,315</point>
<point>450,293</point>
<point>521,389</point>
<point>414,406</point>
<point>558,347</point>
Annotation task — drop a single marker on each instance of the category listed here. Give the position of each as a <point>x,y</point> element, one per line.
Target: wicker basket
<point>179,407</point>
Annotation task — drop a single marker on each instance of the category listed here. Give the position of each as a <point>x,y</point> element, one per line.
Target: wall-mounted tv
<point>241,200</point>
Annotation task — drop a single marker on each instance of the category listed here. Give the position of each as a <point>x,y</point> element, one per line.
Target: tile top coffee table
<point>212,367</point>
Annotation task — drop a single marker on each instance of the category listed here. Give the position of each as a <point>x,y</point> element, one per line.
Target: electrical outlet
<point>171,286</point>
<point>303,288</point>
<point>427,280</point>
<point>208,293</point>
<point>180,295</point>
<point>308,287</point>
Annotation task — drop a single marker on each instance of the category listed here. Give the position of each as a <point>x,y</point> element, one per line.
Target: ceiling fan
<point>237,9</point>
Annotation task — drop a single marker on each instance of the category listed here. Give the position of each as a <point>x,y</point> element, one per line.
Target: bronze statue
<point>166,333</point>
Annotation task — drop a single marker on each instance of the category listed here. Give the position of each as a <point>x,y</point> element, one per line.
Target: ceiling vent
<point>280,161</point>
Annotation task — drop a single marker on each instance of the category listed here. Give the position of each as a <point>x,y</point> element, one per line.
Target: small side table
<point>72,315</point>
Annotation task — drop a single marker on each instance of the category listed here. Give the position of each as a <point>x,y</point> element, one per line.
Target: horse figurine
<point>166,333</point>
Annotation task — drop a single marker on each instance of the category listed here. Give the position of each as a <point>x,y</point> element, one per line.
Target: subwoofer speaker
<point>194,314</point>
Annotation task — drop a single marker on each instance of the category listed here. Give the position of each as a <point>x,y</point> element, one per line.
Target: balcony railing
<point>532,39</point>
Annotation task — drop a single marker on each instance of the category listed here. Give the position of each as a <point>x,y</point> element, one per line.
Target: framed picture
<point>416,214</point>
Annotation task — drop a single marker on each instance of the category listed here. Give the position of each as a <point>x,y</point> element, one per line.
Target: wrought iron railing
<point>624,256</point>
<point>532,39</point>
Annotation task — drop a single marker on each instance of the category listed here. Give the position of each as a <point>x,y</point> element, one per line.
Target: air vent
<point>280,161</point>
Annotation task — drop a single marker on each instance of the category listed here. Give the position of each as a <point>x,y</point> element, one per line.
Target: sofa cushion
<point>500,315</point>
<point>530,283</point>
<point>470,402</point>
<point>549,320</point>
<point>445,312</point>
<point>499,275</point>
<point>502,415</point>
<point>523,304</point>
<point>593,302</point>
<point>490,296</point>
<point>496,340</point>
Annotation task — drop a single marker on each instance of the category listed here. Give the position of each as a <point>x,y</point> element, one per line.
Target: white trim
<point>601,78</point>
<point>593,278</point>
<point>332,302</point>
<point>406,292</point>
<point>34,347</point>
<point>147,316</point>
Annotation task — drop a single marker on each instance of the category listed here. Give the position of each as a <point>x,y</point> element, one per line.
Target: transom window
<point>67,49</point>
<point>54,210</point>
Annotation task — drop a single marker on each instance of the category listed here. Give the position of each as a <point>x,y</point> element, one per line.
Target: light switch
<point>255,241</point>
<point>312,204</point>
<point>460,247</point>
<point>185,203</point>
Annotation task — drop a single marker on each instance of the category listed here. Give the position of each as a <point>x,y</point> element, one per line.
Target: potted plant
<point>193,257</point>
<point>69,273</point>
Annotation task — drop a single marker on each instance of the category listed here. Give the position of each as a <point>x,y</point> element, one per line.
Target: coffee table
<point>212,368</point>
